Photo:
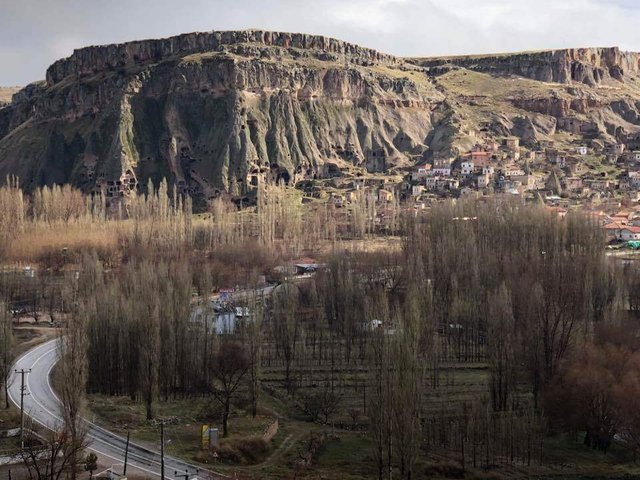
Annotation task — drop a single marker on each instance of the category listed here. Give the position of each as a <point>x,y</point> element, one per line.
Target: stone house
<point>616,148</point>
<point>337,200</point>
<point>384,196</point>
<point>442,163</point>
<point>634,178</point>
<point>527,182</point>
<point>420,172</point>
<point>483,180</point>
<point>573,183</point>
<point>376,161</point>
<point>351,195</point>
<point>431,182</point>
<point>577,168</point>
<point>512,143</point>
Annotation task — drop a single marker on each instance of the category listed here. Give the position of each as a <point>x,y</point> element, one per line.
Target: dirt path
<point>286,445</point>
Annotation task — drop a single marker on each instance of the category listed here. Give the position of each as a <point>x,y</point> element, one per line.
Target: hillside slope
<point>222,111</point>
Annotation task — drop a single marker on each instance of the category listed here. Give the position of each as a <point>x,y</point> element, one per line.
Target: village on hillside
<point>602,180</point>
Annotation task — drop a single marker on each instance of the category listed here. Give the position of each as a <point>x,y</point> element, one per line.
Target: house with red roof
<point>618,231</point>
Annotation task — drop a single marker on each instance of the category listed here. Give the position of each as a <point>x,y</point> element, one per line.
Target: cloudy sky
<point>34,33</point>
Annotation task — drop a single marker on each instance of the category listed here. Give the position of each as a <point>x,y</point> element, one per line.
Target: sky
<point>35,33</point>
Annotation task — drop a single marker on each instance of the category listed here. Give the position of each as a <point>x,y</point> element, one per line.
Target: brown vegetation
<point>375,338</point>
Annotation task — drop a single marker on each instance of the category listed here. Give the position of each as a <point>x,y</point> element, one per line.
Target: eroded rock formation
<point>590,66</point>
<point>222,111</point>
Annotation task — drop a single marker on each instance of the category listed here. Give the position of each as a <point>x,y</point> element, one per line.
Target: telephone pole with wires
<point>23,392</point>
<point>162,450</point>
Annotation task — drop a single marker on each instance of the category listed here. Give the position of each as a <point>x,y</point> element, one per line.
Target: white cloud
<point>64,46</point>
<point>47,30</point>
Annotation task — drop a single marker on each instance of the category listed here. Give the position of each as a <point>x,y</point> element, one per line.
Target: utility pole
<point>23,392</point>
<point>162,450</point>
<point>126,455</point>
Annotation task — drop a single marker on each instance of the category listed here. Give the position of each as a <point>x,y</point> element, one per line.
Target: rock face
<point>590,66</point>
<point>91,60</point>
<point>212,112</point>
<point>224,111</point>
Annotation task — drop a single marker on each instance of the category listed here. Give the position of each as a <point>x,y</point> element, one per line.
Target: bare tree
<point>49,456</point>
<point>286,327</point>
<point>145,307</point>
<point>231,364</point>
<point>253,332</point>
<point>73,369</point>
<point>323,403</point>
<point>6,344</point>
<point>407,385</point>
<point>501,349</point>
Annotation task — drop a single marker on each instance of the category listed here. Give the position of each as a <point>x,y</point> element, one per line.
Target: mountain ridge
<point>221,112</point>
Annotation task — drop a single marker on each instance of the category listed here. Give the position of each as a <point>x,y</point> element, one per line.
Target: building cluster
<point>576,171</point>
<point>489,166</point>
<point>624,225</point>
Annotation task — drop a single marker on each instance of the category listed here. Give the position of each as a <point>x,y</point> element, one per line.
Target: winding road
<point>43,406</point>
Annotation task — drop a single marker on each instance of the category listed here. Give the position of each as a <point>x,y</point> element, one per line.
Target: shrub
<point>252,448</point>
<point>446,470</point>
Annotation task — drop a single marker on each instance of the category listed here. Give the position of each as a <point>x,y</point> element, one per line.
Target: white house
<point>222,323</point>
<point>629,233</point>
<point>488,170</point>
<point>442,172</point>
<point>372,325</point>
<point>466,168</point>
<point>513,171</point>
<point>582,150</point>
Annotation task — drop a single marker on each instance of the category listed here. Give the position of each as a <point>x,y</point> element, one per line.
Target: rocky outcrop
<point>590,66</point>
<point>224,111</point>
<point>213,112</point>
<point>92,60</point>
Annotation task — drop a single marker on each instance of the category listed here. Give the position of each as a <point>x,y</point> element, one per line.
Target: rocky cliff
<point>214,111</point>
<point>590,66</point>
<point>224,111</point>
<point>91,60</point>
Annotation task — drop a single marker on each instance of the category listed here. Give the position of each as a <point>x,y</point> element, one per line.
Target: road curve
<point>43,406</point>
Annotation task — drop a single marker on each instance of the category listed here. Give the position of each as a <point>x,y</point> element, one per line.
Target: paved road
<point>43,406</point>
